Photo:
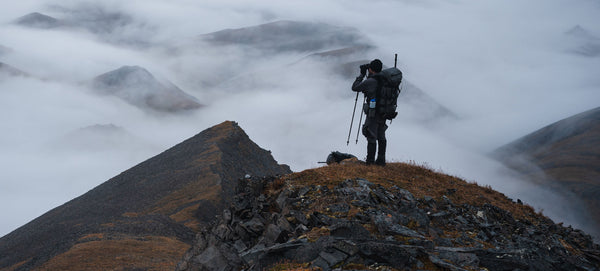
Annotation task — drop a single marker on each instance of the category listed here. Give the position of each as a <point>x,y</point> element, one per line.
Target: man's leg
<point>371,147</point>
<point>381,127</point>
<point>381,153</point>
<point>369,130</point>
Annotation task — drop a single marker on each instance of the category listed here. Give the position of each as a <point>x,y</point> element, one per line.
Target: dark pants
<point>374,131</point>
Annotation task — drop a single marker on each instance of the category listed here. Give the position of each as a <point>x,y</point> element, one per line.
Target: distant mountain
<point>9,70</point>
<point>111,26</point>
<point>416,103</point>
<point>289,36</point>
<point>146,217</point>
<point>589,44</point>
<point>564,156</point>
<point>139,87</point>
<point>39,20</point>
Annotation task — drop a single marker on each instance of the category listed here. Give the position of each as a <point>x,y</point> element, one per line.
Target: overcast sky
<point>505,68</point>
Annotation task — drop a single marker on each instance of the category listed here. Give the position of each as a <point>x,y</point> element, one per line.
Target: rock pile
<point>360,225</point>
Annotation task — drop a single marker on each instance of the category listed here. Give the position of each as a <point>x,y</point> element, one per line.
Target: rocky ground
<point>357,224</point>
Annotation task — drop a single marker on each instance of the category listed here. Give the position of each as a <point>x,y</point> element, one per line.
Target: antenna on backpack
<point>395,60</point>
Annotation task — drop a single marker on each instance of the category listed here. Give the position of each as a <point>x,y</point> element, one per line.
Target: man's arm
<point>360,86</point>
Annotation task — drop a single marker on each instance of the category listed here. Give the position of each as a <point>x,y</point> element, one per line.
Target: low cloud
<point>503,69</point>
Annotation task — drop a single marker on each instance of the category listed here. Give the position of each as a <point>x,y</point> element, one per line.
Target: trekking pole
<point>360,122</point>
<point>352,121</point>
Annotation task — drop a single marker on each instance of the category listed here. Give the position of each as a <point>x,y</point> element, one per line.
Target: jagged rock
<point>444,264</point>
<point>385,232</point>
<point>330,257</point>
<point>460,258</point>
<point>216,258</point>
<point>350,230</point>
<point>388,226</point>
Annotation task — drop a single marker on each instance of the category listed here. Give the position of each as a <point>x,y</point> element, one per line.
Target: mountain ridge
<point>563,156</point>
<point>137,86</point>
<point>152,204</point>
<point>204,204</point>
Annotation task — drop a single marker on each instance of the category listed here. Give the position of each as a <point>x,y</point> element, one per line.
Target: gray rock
<point>406,198</point>
<point>350,230</point>
<point>255,225</point>
<point>443,264</point>
<point>333,256</point>
<point>347,246</point>
<point>387,225</point>
<point>282,199</point>
<point>240,246</point>
<point>398,256</point>
<point>460,259</point>
<point>213,259</point>
<point>339,208</point>
<point>273,234</point>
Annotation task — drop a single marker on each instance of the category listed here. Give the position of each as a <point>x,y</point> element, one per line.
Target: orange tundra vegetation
<point>149,253</point>
<point>418,179</point>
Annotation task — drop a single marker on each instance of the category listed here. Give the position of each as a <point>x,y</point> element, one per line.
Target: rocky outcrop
<point>150,211</point>
<point>357,224</point>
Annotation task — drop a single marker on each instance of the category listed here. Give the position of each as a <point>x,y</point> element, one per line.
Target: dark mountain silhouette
<point>401,217</point>
<point>39,20</point>
<point>147,216</point>
<point>139,87</point>
<point>564,156</point>
<point>289,36</point>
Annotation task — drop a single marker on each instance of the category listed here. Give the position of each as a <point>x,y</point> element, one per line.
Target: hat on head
<point>376,65</point>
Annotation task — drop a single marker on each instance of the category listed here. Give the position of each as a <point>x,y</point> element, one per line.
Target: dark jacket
<point>368,87</point>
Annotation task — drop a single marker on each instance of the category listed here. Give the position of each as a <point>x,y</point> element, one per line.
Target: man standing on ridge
<point>374,127</point>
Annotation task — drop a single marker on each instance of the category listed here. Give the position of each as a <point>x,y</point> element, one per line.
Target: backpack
<point>388,91</point>
<point>336,157</point>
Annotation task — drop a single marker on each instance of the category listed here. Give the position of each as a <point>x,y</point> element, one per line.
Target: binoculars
<point>364,68</point>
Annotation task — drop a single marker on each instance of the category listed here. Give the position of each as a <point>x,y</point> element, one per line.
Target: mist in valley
<point>477,76</point>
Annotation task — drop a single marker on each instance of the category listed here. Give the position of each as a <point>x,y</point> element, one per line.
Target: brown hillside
<point>146,217</point>
<point>564,156</point>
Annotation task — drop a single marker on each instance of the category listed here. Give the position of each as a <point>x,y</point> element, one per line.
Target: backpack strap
<point>378,89</point>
